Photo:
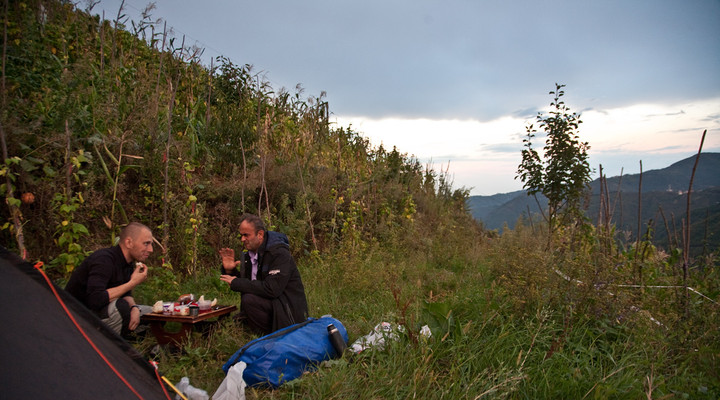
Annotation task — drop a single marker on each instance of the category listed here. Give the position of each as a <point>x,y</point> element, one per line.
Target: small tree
<point>563,174</point>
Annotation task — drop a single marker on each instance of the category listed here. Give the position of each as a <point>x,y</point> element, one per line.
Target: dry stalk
<point>639,223</point>
<point>171,106</point>
<point>603,380</point>
<point>686,241</point>
<point>649,385</point>
<point>14,210</point>
<point>542,316</point>
<point>686,228</point>
<point>499,385</point>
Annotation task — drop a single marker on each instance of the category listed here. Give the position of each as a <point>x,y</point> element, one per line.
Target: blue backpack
<point>285,354</point>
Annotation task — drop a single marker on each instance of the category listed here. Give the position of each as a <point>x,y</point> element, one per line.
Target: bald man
<point>104,280</point>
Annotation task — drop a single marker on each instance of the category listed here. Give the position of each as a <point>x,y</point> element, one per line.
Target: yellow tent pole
<point>174,388</point>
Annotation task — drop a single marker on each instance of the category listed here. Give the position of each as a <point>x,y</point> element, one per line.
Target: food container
<point>181,309</point>
<point>167,308</point>
<point>186,298</point>
<point>194,310</point>
<point>204,305</point>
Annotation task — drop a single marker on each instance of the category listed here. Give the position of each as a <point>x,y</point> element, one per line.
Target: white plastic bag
<point>233,386</point>
<point>191,392</point>
<point>383,332</point>
<point>377,338</point>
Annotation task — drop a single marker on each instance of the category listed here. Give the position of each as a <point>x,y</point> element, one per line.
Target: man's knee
<point>118,315</point>
<point>255,303</point>
<point>258,311</point>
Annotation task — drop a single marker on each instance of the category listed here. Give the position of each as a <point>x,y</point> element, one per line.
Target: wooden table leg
<point>164,337</point>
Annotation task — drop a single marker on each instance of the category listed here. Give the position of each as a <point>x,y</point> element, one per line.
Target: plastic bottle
<point>336,340</point>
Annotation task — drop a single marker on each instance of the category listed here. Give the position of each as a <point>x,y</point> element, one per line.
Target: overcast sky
<point>457,81</point>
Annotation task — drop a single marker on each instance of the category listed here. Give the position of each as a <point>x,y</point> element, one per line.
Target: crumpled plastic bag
<point>376,339</point>
<point>190,392</point>
<point>425,332</point>
<point>233,386</point>
<point>382,332</point>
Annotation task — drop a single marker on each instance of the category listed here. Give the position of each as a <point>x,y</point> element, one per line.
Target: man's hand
<point>228,259</point>
<point>140,274</point>
<point>227,278</point>
<point>134,318</point>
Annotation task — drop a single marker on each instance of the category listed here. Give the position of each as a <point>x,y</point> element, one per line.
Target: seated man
<point>272,293</point>
<point>104,280</point>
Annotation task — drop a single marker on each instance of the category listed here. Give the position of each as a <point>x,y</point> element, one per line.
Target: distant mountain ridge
<point>663,196</point>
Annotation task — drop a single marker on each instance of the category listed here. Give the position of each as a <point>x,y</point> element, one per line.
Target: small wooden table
<point>158,320</point>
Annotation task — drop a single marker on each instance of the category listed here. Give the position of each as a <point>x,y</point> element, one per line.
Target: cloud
<point>525,113</point>
<point>668,114</point>
<point>713,118</point>
<point>503,148</point>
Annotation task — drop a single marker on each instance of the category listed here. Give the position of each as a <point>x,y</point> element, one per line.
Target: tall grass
<point>515,329</point>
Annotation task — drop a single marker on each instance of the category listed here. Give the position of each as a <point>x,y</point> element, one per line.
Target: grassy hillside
<point>102,126</point>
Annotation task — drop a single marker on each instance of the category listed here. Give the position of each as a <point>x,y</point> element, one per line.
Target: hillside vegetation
<point>107,122</point>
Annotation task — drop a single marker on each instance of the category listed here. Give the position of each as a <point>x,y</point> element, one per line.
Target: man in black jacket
<point>104,280</point>
<point>272,293</point>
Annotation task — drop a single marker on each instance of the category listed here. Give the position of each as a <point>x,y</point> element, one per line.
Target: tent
<point>43,355</point>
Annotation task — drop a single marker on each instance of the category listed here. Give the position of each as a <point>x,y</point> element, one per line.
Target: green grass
<point>496,334</point>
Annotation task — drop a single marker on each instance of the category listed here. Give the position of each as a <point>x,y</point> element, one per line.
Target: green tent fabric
<point>43,354</point>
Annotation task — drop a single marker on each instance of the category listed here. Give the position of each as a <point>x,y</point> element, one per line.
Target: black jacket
<point>278,279</point>
<point>103,269</point>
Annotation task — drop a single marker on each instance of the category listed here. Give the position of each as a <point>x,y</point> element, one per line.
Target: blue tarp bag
<point>285,354</point>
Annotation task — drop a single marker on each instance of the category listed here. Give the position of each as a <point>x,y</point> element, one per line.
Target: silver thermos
<point>336,340</point>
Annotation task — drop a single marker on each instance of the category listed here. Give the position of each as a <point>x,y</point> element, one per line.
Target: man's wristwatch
<point>135,306</point>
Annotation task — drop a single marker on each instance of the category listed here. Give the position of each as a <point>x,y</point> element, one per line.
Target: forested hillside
<point>103,126</point>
